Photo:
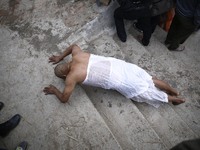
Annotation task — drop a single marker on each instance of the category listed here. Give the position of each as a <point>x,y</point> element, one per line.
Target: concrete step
<point>46,123</point>
<point>31,34</point>
<point>180,76</point>
<point>189,57</point>
<point>173,124</point>
<point>124,119</point>
<point>45,24</point>
<point>37,29</point>
<point>186,77</point>
<point>171,131</point>
<point>101,24</point>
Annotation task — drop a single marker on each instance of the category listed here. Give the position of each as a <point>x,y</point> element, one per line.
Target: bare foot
<point>173,93</point>
<point>175,100</point>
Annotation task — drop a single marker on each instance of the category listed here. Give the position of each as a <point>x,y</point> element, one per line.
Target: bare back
<point>78,66</point>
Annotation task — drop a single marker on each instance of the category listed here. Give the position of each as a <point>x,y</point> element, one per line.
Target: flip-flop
<point>179,49</point>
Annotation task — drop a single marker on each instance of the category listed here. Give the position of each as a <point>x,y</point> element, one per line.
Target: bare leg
<point>175,100</point>
<point>165,87</point>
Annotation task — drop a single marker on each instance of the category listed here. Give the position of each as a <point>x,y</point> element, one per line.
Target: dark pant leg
<point>147,25</point>
<point>120,14</point>
<point>119,23</point>
<point>182,29</point>
<point>172,30</point>
<point>154,23</point>
<point>139,24</point>
<point>189,28</point>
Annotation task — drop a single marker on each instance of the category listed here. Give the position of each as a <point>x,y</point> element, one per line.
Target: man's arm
<point>73,49</point>
<point>63,97</point>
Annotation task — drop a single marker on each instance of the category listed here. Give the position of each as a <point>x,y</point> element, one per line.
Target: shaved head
<point>60,70</point>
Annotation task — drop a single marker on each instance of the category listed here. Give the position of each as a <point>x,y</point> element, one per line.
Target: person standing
<point>185,22</point>
<point>133,10</point>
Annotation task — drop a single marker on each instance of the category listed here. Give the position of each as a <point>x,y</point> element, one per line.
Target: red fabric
<point>166,19</point>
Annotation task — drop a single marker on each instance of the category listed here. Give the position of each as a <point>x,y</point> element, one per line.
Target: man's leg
<point>175,100</point>
<point>189,28</point>
<point>154,23</point>
<point>172,31</point>
<point>172,93</point>
<point>145,25</point>
<point>120,15</point>
<point>165,87</point>
<point>184,28</point>
<point>119,23</point>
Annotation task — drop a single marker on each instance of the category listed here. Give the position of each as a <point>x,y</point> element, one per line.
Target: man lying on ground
<point>109,73</point>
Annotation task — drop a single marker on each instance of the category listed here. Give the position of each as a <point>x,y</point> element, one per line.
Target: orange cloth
<point>166,19</point>
<point>170,16</point>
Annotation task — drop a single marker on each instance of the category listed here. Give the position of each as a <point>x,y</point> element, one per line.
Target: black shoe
<point>9,125</point>
<point>122,37</point>
<point>22,146</point>
<point>145,43</point>
<point>1,105</point>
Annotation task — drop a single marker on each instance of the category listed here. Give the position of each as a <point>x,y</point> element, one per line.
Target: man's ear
<point>64,77</point>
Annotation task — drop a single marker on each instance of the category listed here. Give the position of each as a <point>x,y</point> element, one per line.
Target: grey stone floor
<point>33,30</point>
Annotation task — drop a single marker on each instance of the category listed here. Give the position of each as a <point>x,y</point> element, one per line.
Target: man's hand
<point>55,59</point>
<point>63,97</point>
<point>49,90</point>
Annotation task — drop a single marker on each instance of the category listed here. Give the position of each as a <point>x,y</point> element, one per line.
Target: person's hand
<point>49,90</point>
<point>54,59</point>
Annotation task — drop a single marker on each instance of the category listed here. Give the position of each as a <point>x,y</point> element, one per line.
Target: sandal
<point>179,49</point>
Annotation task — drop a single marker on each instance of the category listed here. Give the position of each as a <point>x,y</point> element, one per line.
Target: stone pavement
<point>33,30</point>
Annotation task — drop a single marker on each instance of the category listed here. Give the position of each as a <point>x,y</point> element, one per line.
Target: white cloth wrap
<point>128,79</point>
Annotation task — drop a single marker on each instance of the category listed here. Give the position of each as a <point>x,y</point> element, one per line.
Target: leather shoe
<point>9,125</point>
<point>122,37</point>
<point>1,105</point>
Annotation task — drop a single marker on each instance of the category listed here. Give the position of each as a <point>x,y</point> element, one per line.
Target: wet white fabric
<point>98,71</point>
<point>128,79</point>
<point>152,96</point>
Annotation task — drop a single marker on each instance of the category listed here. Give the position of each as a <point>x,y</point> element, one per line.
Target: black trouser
<point>154,22</point>
<point>180,29</point>
<point>120,15</point>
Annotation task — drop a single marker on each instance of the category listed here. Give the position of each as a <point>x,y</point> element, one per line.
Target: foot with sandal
<point>172,48</point>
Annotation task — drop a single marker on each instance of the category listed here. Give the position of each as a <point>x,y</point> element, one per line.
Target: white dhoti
<point>130,80</point>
